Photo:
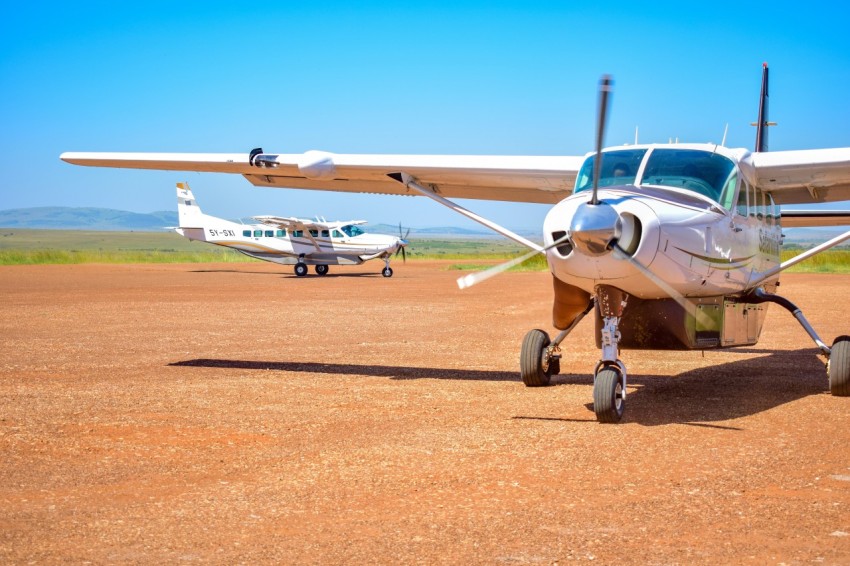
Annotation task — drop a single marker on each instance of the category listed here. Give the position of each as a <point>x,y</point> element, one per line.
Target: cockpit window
<point>700,171</point>
<point>352,230</point>
<point>618,168</point>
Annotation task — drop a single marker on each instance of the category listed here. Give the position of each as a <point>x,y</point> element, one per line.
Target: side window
<point>727,197</point>
<point>269,233</point>
<point>325,234</point>
<point>280,234</point>
<point>246,233</point>
<point>298,233</point>
<point>258,233</point>
<point>337,234</point>
<point>742,198</point>
<point>314,233</point>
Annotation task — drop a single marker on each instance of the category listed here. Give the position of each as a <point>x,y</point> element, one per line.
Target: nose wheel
<point>609,398</point>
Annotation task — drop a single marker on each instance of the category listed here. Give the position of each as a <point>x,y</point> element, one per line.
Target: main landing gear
<point>540,358</point>
<point>838,357</point>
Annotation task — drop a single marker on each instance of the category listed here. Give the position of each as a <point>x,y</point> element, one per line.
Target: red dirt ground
<point>235,413</point>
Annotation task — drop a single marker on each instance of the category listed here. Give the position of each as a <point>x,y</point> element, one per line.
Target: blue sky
<point>490,77</point>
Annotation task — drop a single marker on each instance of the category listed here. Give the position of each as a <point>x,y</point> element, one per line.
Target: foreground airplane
<point>671,246</point>
<point>288,240</point>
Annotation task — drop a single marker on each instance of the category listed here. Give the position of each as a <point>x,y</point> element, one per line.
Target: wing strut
<point>409,182</point>
<point>803,256</point>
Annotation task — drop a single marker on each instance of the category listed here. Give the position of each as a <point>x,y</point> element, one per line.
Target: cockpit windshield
<point>700,171</point>
<point>351,230</point>
<point>618,168</point>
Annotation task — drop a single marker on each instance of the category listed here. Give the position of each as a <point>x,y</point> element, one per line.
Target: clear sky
<point>515,78</point>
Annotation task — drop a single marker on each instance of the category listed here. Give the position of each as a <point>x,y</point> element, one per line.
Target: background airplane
<point>671,246</point>
<point>289,241</point>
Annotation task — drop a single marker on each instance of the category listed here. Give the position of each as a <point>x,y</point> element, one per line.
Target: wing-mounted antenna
<point>762,124</point>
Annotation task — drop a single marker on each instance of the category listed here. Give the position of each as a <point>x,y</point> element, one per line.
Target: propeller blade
<point>605,88</point>
<point>686,305</point>
<point>403,255</point>
<point>475,278</point>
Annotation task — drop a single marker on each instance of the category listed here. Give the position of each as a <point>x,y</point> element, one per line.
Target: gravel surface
<point>233,413</point>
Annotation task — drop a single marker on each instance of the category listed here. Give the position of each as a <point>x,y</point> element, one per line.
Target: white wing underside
<point>792,177</point>
<point>292,223</point>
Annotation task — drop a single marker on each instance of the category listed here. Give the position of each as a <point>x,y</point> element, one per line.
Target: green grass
<point>20,246</point>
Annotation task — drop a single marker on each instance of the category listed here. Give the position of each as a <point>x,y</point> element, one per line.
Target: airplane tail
<point>762,124</point>
<point>188,212</point>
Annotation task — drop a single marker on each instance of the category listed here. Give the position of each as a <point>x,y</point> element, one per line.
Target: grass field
<point>19,246</point>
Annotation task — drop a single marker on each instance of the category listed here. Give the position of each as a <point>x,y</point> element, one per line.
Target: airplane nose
<point>594,227</point>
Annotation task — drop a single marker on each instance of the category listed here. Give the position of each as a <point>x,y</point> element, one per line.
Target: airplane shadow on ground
<point>716,393</point>
<point>330,275</point>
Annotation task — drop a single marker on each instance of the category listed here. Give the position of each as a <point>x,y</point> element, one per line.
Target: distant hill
<point>66,218</point>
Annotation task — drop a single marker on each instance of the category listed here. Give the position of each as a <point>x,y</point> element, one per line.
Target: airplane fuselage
<point>685,223</point>
<point>327,247</point>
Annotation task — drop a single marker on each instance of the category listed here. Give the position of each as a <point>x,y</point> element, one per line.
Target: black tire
<point>300,269</point>
<point>321,269</point>
<point>608,402</point>
<point>531,359</point>
<point>387,272</point>
<point>839,367</point>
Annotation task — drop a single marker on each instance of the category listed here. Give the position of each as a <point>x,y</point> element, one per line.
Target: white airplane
<point>289,241</point>
<point>671,246</point>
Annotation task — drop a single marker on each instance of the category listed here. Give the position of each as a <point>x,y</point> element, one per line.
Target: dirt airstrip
<point>233,413</point>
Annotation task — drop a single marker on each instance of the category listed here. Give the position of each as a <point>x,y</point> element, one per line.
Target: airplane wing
<point>810,218</point>
<point>535,179</point>
<point>802,177</point>
<point>293,223</point>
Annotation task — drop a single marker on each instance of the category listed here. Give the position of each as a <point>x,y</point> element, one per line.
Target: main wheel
<point>531,359</point>
<point>839,367</point>
<point>387,272</point>
<point>300,269</point>
<point>608,402</point>
<point>322,269</point>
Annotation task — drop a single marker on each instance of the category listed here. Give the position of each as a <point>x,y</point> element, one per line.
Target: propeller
<point>402,243</point>
<point>606,85</point>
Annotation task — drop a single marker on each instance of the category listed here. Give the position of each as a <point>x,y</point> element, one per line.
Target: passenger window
<point>269,233</point>
<point>297,233</point>
<point>246,233</point>
<point>280,233</point>
<point>258,233</point>
<point>326,234</point>
<point>760,208</point>
<point>314,233</point>
<point>337,234</point>
<point>772,215</point>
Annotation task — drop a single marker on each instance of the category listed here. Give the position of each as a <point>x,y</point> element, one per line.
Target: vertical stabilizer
<point>188,212</point>
<point>762,124</point>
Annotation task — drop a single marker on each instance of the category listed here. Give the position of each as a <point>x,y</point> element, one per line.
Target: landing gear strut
<point>838,357</point>
<point>387,271</point>
<point>540,358</point>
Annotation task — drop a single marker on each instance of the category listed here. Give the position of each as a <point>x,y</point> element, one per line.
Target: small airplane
<point>671,246</point>
<point>289,240</point>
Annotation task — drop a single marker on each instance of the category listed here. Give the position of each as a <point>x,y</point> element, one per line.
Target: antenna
<point>725,131</point>
<point>636,135</point>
